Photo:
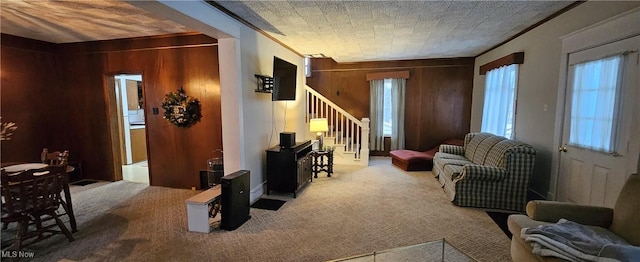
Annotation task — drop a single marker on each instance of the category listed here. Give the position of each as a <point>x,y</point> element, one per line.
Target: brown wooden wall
<point>438,94</point>
<point>31,96</point>
<point>166,63</point>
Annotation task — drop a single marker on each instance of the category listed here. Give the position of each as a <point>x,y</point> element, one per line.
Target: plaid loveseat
<point>488,171</point>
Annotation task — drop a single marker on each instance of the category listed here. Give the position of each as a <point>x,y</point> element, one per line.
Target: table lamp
<point>319,125</point>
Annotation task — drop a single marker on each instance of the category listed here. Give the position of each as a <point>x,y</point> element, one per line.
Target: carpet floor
<point>358,210</point>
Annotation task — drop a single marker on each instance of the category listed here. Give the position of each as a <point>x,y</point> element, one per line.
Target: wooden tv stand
<point>289,169</point>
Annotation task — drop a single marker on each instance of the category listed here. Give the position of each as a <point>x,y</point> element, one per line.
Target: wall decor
<point>180,109</point>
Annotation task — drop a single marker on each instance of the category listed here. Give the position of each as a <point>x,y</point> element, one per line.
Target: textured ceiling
<point>81,20</point>
<point>392,30</point>
<point>344,30</point>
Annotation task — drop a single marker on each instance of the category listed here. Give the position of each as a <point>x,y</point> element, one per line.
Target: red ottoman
<point>410,160</point>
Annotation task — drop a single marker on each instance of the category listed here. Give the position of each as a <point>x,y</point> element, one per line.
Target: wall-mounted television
<point>284,80</point>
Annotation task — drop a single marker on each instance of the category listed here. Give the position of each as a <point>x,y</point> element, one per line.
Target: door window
<point>594,93</point>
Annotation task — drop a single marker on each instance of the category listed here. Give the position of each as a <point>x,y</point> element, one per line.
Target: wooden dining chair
<point>55,158</point>
<point>28,197</point>
<point>58,158</point>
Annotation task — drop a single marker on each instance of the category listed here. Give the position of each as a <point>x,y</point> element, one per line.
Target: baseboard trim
<point>256,192</point>
<point>551,196</point>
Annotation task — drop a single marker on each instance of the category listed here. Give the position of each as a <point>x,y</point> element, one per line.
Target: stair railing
<point>344,128</point>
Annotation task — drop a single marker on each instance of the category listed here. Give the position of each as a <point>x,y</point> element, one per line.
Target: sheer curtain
<point>397,113</point>
<point>593,106</point>
<point>376,138</point>
<point>499,101</point>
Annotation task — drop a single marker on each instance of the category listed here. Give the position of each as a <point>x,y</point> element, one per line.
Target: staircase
<point>349,135</point>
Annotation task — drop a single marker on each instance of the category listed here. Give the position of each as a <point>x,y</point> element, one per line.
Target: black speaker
<point>287,139</point>
<point>204,181</point>
<point>235,199</point>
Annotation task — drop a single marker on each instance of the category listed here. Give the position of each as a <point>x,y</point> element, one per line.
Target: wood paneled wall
<point>438,94</point>
<point>166,63</point>
<point>32,97</point>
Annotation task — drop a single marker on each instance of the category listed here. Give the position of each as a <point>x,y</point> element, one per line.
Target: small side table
<point>319,164</point>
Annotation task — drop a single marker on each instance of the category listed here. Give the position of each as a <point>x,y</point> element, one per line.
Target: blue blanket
<point>575,242</point>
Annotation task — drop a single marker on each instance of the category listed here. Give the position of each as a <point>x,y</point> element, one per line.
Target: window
<point>386,113</point>
<point>307,66</point>
<point>499,110</point>
<point>594,91</point>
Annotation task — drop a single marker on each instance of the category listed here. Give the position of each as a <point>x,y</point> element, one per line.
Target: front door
<point>600,130</point>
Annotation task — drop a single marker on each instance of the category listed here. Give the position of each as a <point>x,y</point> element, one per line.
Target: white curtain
<point>397,113</point>
<point>499,101</point>
<point>593,105</point>
<point>376,138</point>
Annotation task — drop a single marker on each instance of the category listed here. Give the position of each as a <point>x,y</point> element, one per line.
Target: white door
<point>589,172</point>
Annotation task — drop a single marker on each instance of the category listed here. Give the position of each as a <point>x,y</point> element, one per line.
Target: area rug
<point>268,204</point>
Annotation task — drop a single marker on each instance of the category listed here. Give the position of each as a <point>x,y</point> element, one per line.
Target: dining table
<point>68,206</point>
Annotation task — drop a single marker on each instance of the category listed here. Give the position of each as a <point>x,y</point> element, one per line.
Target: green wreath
<point>180,109</point>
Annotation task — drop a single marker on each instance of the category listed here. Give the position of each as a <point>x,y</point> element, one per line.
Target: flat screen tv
<point>284,80</point>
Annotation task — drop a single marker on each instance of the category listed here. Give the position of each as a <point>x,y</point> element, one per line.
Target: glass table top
<point>439,250</point>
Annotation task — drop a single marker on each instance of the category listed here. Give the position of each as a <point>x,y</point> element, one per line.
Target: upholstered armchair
<point>623,220</point>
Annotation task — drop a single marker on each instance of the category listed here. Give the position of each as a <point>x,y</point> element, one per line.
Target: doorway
<point>131,149</point>
<point>599,148</point>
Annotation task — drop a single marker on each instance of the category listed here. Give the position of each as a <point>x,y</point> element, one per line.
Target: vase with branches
<point>7,130</point>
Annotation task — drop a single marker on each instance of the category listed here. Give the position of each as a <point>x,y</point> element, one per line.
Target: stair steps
<point>346,132</point>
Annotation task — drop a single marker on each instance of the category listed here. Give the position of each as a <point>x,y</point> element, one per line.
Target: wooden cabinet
<point>288,169</point>
<point>138,145</point>
<point>133,98</point>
